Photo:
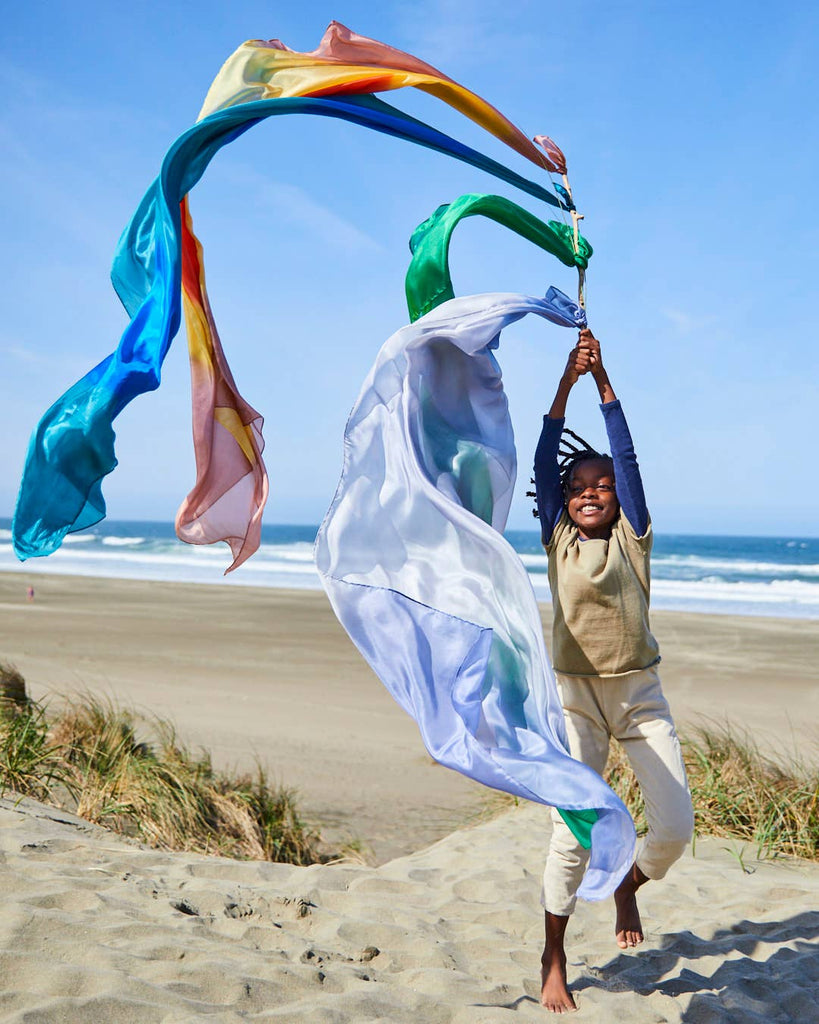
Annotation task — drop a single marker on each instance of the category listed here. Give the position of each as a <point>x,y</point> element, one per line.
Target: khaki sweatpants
<point>634,711</point>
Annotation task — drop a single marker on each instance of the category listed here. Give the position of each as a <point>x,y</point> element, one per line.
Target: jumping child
<point>597,534</point>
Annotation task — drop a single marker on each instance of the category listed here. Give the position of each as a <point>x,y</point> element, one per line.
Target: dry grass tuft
<point>738,793</point>
<point>130,772</point>
<point>29,761</point>
<point>12,685</point>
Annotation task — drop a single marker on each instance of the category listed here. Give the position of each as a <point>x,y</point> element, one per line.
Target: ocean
<point>772,576</point>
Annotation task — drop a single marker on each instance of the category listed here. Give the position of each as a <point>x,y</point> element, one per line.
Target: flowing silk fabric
<point>231,485</point>
<point>220,508</point>
<point>346,62</point>
<point>413,559</point>
<point>428,281</point>
<point>72,447</point>
<point>553,153</point>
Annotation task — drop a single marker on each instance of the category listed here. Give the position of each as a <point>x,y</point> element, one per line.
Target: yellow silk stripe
<point>200,347</point>
<point>232,422</point>
<point>200,350</point>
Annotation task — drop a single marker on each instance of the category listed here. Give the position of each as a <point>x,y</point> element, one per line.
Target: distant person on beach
<point>29,593</point>
<point>597,534</point>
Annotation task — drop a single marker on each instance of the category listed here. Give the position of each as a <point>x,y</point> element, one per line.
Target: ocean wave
<point>771,592</point>
<point>693,567</point>
<point>694,577</point>
<point>706,564</point>
<point>535,563</point>
<point>778,598</point>
<point>301,551</point>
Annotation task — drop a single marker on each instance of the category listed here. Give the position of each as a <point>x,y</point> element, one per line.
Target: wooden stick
<point>576,218</point>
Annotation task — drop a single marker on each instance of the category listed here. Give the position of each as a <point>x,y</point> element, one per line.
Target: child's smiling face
<point>591,499</point>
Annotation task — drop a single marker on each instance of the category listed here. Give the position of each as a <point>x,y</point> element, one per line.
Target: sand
<point>96,928</point>
<point>97,931</point>
<point>250,672</point>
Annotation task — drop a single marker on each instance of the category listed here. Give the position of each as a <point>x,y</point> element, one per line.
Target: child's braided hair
<point>570,455</point>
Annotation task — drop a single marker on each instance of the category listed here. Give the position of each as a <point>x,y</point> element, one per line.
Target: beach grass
<point>129,772</point>
<point>29,762</point>
<point>738,792</point>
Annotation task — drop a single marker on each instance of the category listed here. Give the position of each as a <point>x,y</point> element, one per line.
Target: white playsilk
<point>413,558</point>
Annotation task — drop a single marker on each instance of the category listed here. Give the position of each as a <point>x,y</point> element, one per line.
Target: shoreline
<point>296,581</point>
<point>252,672</point>
<point>752,576</point>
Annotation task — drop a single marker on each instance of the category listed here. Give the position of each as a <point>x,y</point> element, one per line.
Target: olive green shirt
<point>600,595</point>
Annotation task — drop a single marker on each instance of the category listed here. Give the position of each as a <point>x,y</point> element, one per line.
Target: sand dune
<point>96,929</point>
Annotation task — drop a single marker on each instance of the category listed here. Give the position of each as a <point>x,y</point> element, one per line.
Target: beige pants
<point>634,711</point>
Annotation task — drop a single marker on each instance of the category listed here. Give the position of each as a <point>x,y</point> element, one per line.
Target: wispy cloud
<point>48,190</point>
<point>465,32</point>
<point>689,323</point>
<point>47,101</point>
<point>23,355</point>
<point>294,206</point>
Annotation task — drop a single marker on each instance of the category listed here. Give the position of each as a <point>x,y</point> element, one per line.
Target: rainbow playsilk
<point>72,448</point>
<point>412,556</point>
<point>485,700</point>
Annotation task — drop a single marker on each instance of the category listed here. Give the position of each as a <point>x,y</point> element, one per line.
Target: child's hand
<point>579,362</point>
<point>590,345</point>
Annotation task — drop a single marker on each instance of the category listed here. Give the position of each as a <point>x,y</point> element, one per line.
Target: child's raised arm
<point>548,488</point>
<point>627,480</point>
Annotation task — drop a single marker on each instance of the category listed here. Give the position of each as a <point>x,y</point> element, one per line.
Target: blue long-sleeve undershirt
<point>628,484</point>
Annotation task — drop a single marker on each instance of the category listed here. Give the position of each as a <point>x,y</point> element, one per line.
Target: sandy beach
<point>252,672</point>
<point>99,929</point>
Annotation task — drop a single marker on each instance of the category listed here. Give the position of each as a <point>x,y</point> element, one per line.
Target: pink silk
<point>231,487</point>
<point>554,155</point>
<point>341,44</point>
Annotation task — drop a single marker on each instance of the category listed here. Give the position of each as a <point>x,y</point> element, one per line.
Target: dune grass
<point>738,792</point>
<point>29,763</point>
<point>129,772</point>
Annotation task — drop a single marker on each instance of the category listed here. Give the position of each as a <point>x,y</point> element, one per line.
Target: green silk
<point>428,282</point>
<point>580,822</point>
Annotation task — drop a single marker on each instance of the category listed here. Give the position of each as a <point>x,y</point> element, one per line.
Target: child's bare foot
<point>554,992</point>
<point>627,926</point>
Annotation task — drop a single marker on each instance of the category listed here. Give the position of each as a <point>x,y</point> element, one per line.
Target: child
<point>597,534</point>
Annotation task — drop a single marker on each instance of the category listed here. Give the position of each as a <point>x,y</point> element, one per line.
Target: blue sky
<point>691,136</point>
